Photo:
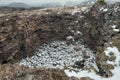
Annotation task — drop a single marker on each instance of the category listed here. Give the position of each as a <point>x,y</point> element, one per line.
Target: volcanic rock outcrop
<point>21,34</point>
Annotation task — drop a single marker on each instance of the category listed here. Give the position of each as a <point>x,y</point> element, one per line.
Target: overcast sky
<point>112,1</point>
<point>43,1</point>
<point>35,1</point>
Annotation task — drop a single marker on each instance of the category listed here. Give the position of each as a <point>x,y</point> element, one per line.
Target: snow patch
<point>78,32</point>
<point>84,73</point>
<point>105,10</point>
<point>76,21</point>
<point>58,12</point>
<point>7,19</point>
<point>93,75</point>
<point>115,51</point>
<point>114,28</point>
<point>101,8</point>
<point>70,38</point>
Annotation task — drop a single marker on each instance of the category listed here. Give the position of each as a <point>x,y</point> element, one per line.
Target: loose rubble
<point>59,55</point>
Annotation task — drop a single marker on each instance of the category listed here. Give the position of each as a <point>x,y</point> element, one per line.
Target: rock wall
<point>21,35</point>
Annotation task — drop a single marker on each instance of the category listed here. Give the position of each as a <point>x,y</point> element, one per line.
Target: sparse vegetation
<point>101,1</point>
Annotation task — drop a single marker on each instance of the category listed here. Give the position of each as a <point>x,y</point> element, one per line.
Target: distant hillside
<point>2,5</point>
<point>23,5</point>
<point>87,2</point>
<point>49,5</point>
<point>72,3</point>
<point>18,5</point>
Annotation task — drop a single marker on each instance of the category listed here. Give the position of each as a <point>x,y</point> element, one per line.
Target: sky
<point>44,1</point>
<point>34,1</point>
<point>112,1</point>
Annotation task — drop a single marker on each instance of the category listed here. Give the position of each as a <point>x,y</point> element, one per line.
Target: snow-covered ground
<point>115,29</point>
<point>93,75</point>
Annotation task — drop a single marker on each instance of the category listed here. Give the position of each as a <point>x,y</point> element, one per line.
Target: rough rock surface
<point>98,27</point>
<point>21,35</point>
<point>16,72</point>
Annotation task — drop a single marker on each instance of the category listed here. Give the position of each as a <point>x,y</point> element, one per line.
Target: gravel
<point>58,54</point>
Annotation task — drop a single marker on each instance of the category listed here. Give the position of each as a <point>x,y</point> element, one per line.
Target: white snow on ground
<point>116,53</point>
<point>7,19</point>
<point>101,8</point>
<point>105,10</point>
<point>69,38</point>
<point>93,75</point>
<point>84,73</point>
<point>114,28</point>
<point>78,32</point>
<point>58,12</point>
<point>58,54</point>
